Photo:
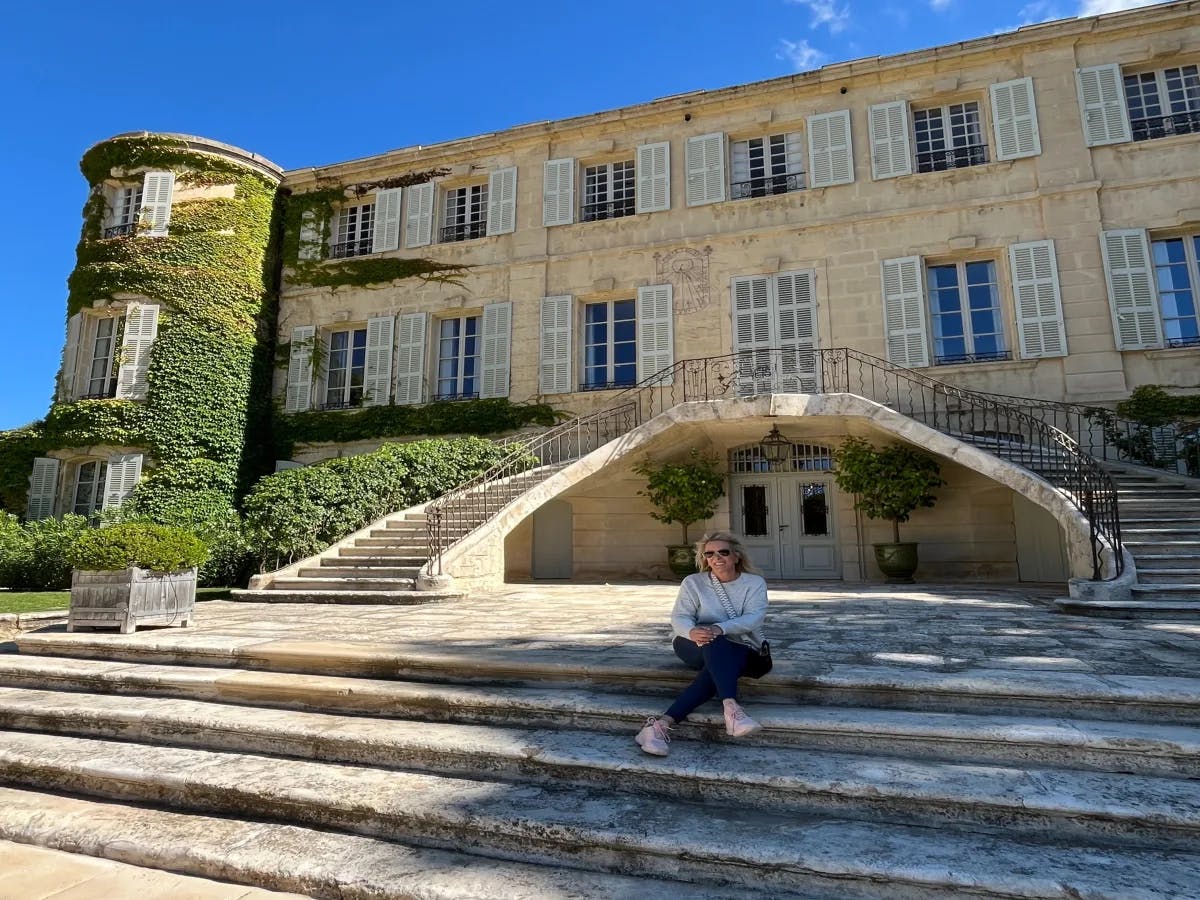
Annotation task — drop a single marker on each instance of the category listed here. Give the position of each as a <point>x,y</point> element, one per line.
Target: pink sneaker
<point>737,723</point>
<point>654,737</point>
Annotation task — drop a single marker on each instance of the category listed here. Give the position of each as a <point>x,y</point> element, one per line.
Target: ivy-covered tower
<point>163,397</point>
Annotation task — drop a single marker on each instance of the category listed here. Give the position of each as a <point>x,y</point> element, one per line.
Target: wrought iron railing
<point>348,249</point>
<point>993,422</point>
<point>607,209</point>
<point>767,185</point>
<point>952,158</point>
<point>1166,126</point>
<point>125,228</point>
<point>462,231</point>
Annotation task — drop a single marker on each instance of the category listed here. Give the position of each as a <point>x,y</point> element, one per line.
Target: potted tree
<point>683,492</point>
<point>134,574</point>
<point>888,483</point>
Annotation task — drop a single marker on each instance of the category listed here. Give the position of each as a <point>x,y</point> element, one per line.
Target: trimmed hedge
<point>161,548</point>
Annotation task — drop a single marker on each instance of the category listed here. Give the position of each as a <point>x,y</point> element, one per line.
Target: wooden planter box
<point>127,598</point>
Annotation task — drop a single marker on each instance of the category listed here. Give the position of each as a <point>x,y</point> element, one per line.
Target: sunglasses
<point>724,551</point>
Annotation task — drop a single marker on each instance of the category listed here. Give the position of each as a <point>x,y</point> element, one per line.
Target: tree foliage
<point>888,482</point>
<point>683,492</point>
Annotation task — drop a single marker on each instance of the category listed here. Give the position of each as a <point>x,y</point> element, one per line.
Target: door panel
<point>786,523</point>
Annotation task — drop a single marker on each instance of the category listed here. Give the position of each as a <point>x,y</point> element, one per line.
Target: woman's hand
<point>704,634</point>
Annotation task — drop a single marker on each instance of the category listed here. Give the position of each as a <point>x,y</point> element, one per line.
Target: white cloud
<point>1099,7</point>
<point>940,4</point>
<point>1040,11</point>
<point>828,13</point>
<point>801,55</point>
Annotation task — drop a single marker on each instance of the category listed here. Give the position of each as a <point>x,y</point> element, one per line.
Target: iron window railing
<point>121,230</point>
<point>952,158</point>
<point>607,209</point>
<point>1166,126</point>
<point>989,356</point>
<point>347,249</point>
<point>464,231</point>
<point>767,185</point>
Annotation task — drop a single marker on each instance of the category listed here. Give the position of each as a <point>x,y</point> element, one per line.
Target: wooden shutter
<point>124,472</point>
<point>299,381</point>
<point>705,162</point>
<point>891,153</point>
<point>386,234</point>
<point>1014,119</point>
<point>410,358</point>
<point>655,332</point>
<point>70,362</point>
<point>796,327</point>
<point>157,188</point>
<point>1102,105</point>
<point>753,338</point>
<point>1131,294</point>
<point>1040,328</point>
<point>377,380</point>
<point>43,489</point>
<point>502,201</point>
<point>310,237</point>
<point>558,192</point>
<point>904,312</point>
<point>141,327</point>
<point>653,177</point>
<point>418,222</point>
<point>830,150</point>
<point>554,371</point>
<point>495,349</point>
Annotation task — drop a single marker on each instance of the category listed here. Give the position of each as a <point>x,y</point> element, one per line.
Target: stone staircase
<point>357,773</point>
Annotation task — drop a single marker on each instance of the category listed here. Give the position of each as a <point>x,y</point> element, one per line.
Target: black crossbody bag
<point>757,664</point>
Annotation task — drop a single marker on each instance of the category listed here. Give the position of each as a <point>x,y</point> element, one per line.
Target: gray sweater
<point>698,604</point>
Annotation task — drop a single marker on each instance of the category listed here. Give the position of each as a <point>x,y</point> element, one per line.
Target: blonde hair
<point>742,563</point>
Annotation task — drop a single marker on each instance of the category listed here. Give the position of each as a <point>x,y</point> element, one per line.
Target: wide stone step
<point>1134,608</point>
<point>1161,547</point>
<point>1139,532</point>
<point>599,829</point>
<point>396,543</point>
<point>377,556</point>
<point>293,858</point>
<point>356,596</point>
<point>1148,576</point>
<point>328,582</point>
<point>1171,593</point>
<point>346,570</point>
<point>394,532</point>
<point>1168,560</point>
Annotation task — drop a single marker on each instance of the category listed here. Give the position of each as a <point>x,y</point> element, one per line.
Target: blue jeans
<point>719,665</point>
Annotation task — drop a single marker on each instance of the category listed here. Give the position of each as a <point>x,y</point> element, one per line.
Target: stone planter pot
<point>681,559</point>
<point>898,562</point>
<point>127,598</point>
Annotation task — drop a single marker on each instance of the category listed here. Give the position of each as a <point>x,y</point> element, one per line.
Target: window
<point>1163,103</point>
<point>458,358</point>
<point>101,380</point>
<point>768,165</point>
<point>964,306</point>
<point>345,368</point>
<point>355,228</point>
<point>464,213</point>
<point>949,137</point>
<point>608,191</point>
<point>126,211</point>
<point>609,345</point>
<point>1177,273</point>
<point>88,497</point>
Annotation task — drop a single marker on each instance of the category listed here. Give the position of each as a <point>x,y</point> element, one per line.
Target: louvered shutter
<point>904,312</point>
<point>655,332</point>
<point>157,188</point>
<point>66,384</point>
<point>1131,294</point>
<point>502,201</point>
<point>830,150</point>
<point>554,371</point>
<point>124,472</point>
<point>418,222</point>
<point>750,297</point>
<point>141,327</point>
<point>1014,119</point>
<point>495,351</point>
<point>310,237</point>
<point>705,162</point>
<point>386,234</point>
<point>558,192</point>
<point>891,154</point>
<point>1040,328</point>
<point>410,358</point>
<point>653,177</point>
<point>299,382</point>
<point>377,379</point>
<point>43,489</point>
<point>796,326</point>
<point>1102,105</point>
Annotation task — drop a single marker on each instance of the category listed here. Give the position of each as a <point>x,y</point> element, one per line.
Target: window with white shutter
<point>464,213</point>
<point>387,221</point>
<point>418,220</point>
<point>377,384</point>
<point>1102,105</point>
<point>410,358</point>
<point>1041,331</point>
<point>495,351</point>
<point>796,323</point>
<point>904,312</point>
<point>609,190</point>
<point>141,327</point>
<point>1163,103</point>
<point>124,209</point>
<point>1131,294</point>
<point>949,137</point>
<point>1177,275</point>
<point>300,367</point>
<point>1014,119</point>
<point>157,191</point>
<point>705,161</point>
<point>458,368</point>
<point>502,201</point>
<point>558,192</point>
<point>554,370</point>
<point>775,333</point>
<point>124,472</point>
<point>43,489</point>
<point>70,360</point>
<point>890,152</point>
<point>830,150</point>
<point>655,332</point>
<point>965,318</point>
<point>764,166</point>
<point>610,342</point>
<point>654,177</point>
<point>310,246</point>
<point>353,235</point>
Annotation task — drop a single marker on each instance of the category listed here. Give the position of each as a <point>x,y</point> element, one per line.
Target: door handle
<point>781,527</point>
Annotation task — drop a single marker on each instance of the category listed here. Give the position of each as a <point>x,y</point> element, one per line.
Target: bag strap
<point>723,596</point>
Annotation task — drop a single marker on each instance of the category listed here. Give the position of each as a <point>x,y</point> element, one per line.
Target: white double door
<point>787,523</point>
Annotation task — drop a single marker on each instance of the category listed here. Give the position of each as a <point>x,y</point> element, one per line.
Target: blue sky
<point>309,83</point>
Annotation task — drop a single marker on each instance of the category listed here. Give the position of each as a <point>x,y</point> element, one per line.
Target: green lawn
<point>16,602</point>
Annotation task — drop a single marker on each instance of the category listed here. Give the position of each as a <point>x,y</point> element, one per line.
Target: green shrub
<point>36,556</point>
<point>161,548</point>
<point>684,492</point>
<point>298,512</point>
